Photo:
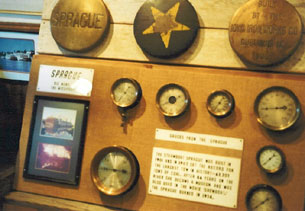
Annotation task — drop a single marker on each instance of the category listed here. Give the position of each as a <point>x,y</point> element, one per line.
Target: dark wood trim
<point>19,27</point>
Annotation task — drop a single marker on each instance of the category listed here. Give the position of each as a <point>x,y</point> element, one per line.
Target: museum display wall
<point>160,105</point>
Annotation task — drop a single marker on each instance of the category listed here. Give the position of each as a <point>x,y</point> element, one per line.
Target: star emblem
<point>165,23</point>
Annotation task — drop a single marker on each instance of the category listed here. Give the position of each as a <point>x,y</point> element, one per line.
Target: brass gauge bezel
<point>134,174</point>
<point>137,94</point>
<point>278,89</point>
<point>222,113</point>
<point>187,100</point>
<point>264,187</point>
<point>278,168</point>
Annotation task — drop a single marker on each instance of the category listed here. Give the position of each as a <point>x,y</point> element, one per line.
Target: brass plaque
<point>265,32</point>
<point>79,25</point>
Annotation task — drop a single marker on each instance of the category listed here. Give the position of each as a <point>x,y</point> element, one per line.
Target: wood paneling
<point>104,129</point>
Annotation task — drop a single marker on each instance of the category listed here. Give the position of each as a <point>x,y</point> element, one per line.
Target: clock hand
<point>269,159</point>
<point>283,107</point>
<point>263,202</point>
<point>115,170</point>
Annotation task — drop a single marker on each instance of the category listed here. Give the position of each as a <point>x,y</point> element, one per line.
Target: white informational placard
<point>65,80</point>
<point>195,177</point>
<point>200,139</point>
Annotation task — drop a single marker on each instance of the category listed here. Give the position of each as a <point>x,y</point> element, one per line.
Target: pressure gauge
<point>277,108</point>
<point>220,103</point>
<point>172,100</point>
<point>126,93</point>
<point>263,197</point>
<point>114,170</point>
<point>270,159</point>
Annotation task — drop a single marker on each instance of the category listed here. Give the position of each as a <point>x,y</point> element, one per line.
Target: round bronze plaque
<point>265,32</point>
<point>79,25</point>
<point>165,28</point>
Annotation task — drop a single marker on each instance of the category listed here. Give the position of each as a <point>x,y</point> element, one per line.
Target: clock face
<point>263,197</point>
<point>277,108</point>
<point>172,100</point>
<point>220,103</point>
<point>114,170</point>
<point>126,92</point>
<point>270,159</point>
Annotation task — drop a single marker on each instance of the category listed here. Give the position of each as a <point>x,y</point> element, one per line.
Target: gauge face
<point>270,159</point>
<point>126,92</point>
<point>277,108</point>
<point>172,100</point>
<point>263,197</point>
<point>220,103</point>
<point>114,170</point>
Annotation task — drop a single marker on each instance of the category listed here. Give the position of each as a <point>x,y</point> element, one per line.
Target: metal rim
<point>273,148</point>
<point>183,109</point>
<point>283,89</point>
<point>133,163</point>
<point>231,103</point>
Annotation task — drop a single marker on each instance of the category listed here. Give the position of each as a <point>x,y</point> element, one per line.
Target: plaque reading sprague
<point>79,25</point>
<point>265,32</point>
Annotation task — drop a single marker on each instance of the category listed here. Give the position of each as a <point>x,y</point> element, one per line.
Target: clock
<point>220,103</point>
<point>263,197</point>
<point>114,170</point>
<point>172,100</point>
<point>270,159</point>
<point>277,108</point>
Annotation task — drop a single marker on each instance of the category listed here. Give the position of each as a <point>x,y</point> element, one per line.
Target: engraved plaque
<point>265,32</point>
<point>78,25</point>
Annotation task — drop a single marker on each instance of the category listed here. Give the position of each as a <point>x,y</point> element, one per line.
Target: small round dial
<point>277,108</point>
<point>114,170</point>
<point>270,159</point>
<point>263,197</point>
<point>172,100</point>
<point>126,92</point>
<point>220,103</point>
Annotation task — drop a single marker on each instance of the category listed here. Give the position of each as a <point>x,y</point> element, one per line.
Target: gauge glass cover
<point>172,100</point>
<point>270,159</point>
<point>220,103</point>
<point>277,108</point>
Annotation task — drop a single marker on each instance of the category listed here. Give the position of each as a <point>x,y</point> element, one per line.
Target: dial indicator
<point>270,159</point>
<point>114,170</point>
<point>263,197</point>
<point>220,103</point>
<point>172,100</point>
<point>277,108</point>
<point>126,92</point>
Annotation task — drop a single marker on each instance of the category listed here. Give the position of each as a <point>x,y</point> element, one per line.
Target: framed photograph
<point>56,140</point>
<point>16,53</point>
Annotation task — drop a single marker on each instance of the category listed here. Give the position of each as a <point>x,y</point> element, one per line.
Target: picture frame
<point>56,140</point>
<point>16,53</point>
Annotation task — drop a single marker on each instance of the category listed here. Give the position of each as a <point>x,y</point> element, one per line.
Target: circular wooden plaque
<point>79,25</point>
<point>265,32</point>
<point>165,28</point>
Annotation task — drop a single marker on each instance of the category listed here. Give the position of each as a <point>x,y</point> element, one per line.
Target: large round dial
<point>126,92</point>
<point>114,170</point>
<point>220,103</point>
<point>263,197</point>
<point>172,100</point>
<point>277,108</point>
<point>270,159</point>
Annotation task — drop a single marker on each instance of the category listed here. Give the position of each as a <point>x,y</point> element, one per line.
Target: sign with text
<point>195,177</point>
<point>65,80</point>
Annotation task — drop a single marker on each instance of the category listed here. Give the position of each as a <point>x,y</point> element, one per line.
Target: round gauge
<point>270,159</point>
<point>277,108</point>
<point>114,170</point>
<point>220,103</point>
<point>263,197</point>
<point>172,100</point>
<point>126,92</point>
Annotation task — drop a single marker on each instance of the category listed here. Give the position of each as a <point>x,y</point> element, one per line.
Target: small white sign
<point>200,139</point>
<point>65,80</point>
<point>195,177</point>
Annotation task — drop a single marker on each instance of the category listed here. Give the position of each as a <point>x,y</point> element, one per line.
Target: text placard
<point>196,177</point>
<point>65,80</point>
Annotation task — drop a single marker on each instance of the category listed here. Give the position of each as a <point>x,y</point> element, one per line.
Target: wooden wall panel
<point>211,48</point>
<point>104,129</point>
